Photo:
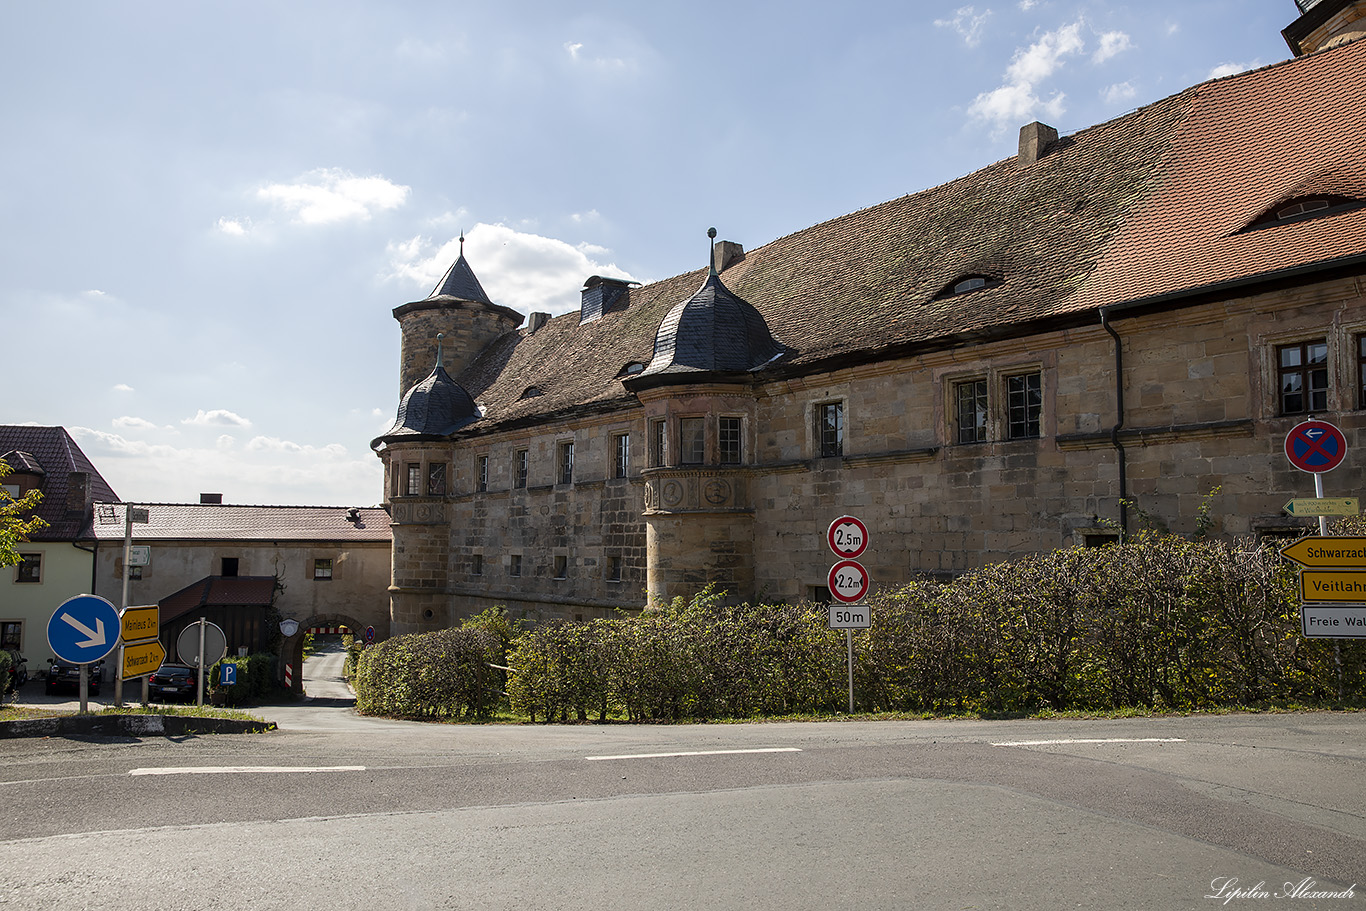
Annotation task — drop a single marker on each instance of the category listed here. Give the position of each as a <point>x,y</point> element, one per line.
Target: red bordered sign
<point>848,581</point>
<point>1315,446</point>
<point>847,537</point>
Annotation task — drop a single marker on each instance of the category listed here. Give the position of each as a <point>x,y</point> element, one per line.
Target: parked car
<point>62,674</point>
<point>173,681</point>
<point>18,671</point>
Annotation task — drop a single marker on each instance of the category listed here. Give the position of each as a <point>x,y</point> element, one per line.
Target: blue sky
<point>211,209</point>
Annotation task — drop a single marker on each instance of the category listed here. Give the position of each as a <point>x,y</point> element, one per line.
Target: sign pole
<point>199,698</point>
<point>849,644</point>
<point>123,603</point>
<point>1318,492</point>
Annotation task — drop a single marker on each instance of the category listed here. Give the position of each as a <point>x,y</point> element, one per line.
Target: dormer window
<point>531,392</point>
<point>967,284</point>
<point>631,368</point>
<point>1302,209</point>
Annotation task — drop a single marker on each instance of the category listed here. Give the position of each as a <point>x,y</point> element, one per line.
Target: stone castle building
<point>1137,312</point>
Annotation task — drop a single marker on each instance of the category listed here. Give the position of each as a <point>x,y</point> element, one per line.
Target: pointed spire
<point>460,282</point>
<point>711,251</point>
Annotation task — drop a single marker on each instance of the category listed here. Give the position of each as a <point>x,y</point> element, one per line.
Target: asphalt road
<point>364,813</point>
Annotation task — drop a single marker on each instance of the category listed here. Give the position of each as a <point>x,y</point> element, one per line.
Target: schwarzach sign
<point>1327,553</point>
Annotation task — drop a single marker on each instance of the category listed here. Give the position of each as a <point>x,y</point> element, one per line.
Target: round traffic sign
<point>369,634</point>
<point>847,537</point>
<point>83,629</point>
<point>848,581</point>
<point>215,644</point>
<point>1315,446</point>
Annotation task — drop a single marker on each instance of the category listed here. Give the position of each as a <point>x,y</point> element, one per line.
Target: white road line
<point>694,753</point>
<point>245,770</point>
<point>1048,743</point>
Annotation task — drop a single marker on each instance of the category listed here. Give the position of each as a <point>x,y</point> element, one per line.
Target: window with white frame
<point>829,429</point>
<point>521,463</point>
<point>566,462</point>
<point>1024,405</point>
<point>30,568</point>
<point>659,440</point>
<point>728,439</point>
<point>970,410</point>
<point>1302,376</point>
<point>621,455</point>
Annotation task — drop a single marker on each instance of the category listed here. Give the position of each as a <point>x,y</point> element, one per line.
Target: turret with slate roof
<point>433,409</point>
<point>459,309</point>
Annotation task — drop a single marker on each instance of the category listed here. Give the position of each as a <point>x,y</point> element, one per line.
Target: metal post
<point>199,698</point>
<point>123,602</point>
<point>85,688</point>
<point>1318,492</point>
<point>849,644</point>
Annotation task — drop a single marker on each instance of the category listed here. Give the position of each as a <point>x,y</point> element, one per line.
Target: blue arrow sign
<point>84,629</point>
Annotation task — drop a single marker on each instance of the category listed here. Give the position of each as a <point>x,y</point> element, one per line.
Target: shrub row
<point>255,678</point>
<point>445,674</point>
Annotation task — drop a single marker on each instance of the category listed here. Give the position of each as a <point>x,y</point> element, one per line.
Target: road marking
<point>694,753</point>
<point>245,770</point>
<point>1048,743</point>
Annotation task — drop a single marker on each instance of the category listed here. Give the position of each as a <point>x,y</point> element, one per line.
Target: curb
<point>128,726</point>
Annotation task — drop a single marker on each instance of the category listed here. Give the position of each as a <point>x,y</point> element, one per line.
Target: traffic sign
<point>215,644</point>
<point>142,658</point>
<point>1315,446</point>
<point>848,581</point>
<point>141,623</point>
<point>83,629</point>
<point>227,674</point>
<point>369,634</point>
<point>847,537</point>
<point>1341,553</point>
<point>1324,506</point>
<point>850,616</point>
<point>1319,622</point>
<point>1319,585</point>
<point>140,555</point>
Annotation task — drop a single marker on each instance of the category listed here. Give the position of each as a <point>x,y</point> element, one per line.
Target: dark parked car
<point>173,681</point>
<point>61,674</point>
<point>18,671</point>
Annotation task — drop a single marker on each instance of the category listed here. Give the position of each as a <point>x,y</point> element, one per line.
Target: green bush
<point>6,662</point>
<point>255,678</point>
<point>444,674</point>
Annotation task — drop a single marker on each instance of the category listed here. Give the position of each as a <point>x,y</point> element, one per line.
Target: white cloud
<point>968,23</point>
<point>1111,43</point>
<point>600,64</point>
<point>527,272</point>
<point>132,423</point>
<point>233,227</point>
<point>1027,5</point>
<point>1017,101</point>
<point>219,417</point>
<point>1228,69</point>
<point>330,195</point>
<point>122,387</point>
<point>1120,91</point>
<point>225,441</point>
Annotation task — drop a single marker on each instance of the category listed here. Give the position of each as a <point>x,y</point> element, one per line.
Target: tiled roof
<point>460,283</point>
<point>712,332</point>
<point>228,591</point>
<point>1150,203</point>
<point>226,522</point>
<point>434,408</point>
<point>58,456</point>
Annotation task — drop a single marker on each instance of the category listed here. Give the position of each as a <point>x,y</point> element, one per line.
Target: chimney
<point>726,253</point>
<point>536,321</point>
<point>602,295</point>
<point>210,499</point>
<point>1034,140</point>
<point>77,491</point>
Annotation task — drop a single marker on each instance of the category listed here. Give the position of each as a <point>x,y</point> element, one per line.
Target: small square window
<point>229,567</point>
<point>30,568</point>
<point>692,441</point>
<point>12,634</point>
<point>483,472</point>
<point>1024,405</point>
<point>515,565</point>
<point>970,405</point>
<point>561,566</point>
<point>622,449</point>
<point>566,462</point>
<point>1302,377</point>
<point>614,569</point>
<point>322,570</point>
<point>818,594</point>
<point>728,440</point>
<point>830,428</point>
<point>521,463</point>
<point>476,564</point>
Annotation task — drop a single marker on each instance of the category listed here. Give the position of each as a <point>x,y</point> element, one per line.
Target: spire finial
<point>462,241</point>
<point>711,251</point>
<point>439,337</point>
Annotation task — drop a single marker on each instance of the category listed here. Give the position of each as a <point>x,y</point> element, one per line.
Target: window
<point>728,440</point>
<point>566,462</point>
<point>1024,405</point>
<point>818,594</point>
<point>520,463</point>
<point>515,565</point>
<point>229,567</point>
<point>614,569</point>
<point>30,568</point>
<point>12,634</point>
<point>692,441</point>
<point>659,440</point>
<point>1300,208</point>
<point>1361,371</point>
<point>482,472</point>
<point>1302,376</point>
<point>414,488</point>
<point>476,564</point>
<point>561,566</point>
<point>322,570</point>
<point>436,480</point>
<point>134,572</point>
<point>622,447</point>
<point>970,405</point>
<point>830,428</point>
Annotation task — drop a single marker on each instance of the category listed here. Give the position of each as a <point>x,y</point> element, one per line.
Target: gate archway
<point>292,648</point>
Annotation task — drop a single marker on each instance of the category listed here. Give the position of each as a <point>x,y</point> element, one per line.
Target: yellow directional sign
<point>142,658</point>
<point>1318,585</point>
<point>141,623</point>
<point>1324,506</point>
<point>1328,553</point>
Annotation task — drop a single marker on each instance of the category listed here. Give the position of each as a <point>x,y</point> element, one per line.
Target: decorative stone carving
<point>683,490</point>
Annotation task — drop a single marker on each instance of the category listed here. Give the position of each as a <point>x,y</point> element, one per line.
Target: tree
<point>17,520</point>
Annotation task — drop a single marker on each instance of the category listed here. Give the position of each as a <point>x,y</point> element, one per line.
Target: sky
<point>212,209</point>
